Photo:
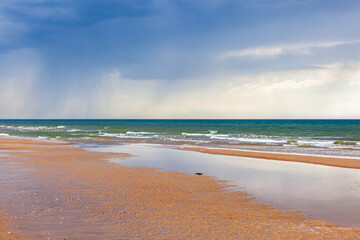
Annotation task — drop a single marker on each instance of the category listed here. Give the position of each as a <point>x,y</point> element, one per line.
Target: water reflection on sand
<point>327,193</point>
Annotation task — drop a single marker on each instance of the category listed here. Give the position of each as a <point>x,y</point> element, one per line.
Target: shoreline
<point>181,145</point>
<point>325,160</point>
<point>309,159</point>
<point>138,202</point>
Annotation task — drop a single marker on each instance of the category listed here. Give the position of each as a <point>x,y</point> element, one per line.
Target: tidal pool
<point>328,193</point>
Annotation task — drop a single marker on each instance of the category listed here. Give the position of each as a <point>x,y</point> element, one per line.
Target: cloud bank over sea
<point>179,59</point>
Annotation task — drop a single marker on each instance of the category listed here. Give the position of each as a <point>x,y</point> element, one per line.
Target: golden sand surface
<point>5,233</point>
<point>66,192</point>
<point>327,161</point>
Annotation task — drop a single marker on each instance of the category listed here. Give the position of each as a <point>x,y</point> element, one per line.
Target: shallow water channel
<point>328,193</point>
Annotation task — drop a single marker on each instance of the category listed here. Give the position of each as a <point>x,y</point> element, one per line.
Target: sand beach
<point>61,191</point>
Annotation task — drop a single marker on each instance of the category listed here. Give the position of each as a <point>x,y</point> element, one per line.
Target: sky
<point>243,59</point>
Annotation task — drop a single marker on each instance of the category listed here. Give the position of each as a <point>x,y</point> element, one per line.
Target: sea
<point>313,137</point>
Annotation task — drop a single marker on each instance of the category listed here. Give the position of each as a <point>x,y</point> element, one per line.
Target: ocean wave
<point>316,143</point>
<point>196,134</point>
<point>42,137</point>
<point>236,138</point>
<point>122,135</point>
<point>220,136</point>
<point>215,137</point>
<point>292,142</point>
<point>108,134</point>
<point>286,141</point>
<point>330,144</point>
<point>209,134</point>
<point>140,133</point>
<point>74,130</point>
<point>254,140</point>
<point>32,128</point>
<point>345,143</point>
<point>185,140</point>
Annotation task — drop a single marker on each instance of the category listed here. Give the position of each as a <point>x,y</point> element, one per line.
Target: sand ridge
<point>321,160</point>
<point>103,200</point>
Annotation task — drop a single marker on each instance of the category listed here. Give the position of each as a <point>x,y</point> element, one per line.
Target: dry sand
<point>327,161</point>
<point>69,193</point>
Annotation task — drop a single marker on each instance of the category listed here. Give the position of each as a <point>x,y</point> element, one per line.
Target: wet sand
<point>60,191</point>
<point>5,233</point>
<point>326,161</point>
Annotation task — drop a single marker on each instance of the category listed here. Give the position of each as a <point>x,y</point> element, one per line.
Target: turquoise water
<point>334,137</point>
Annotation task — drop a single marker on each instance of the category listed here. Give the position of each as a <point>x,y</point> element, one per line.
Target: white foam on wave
<point>140,133</point>
<point>251,140</point>
<point>264,139</point>
<point>196,134</point>
<point>220,136</point>
<point>9,127</point>
<point>211,133</point>
<point>31,128</point>
<point>122,135</point>
<point>185,140</point>
<point>233,138</point>
<point>74,130</point>
<point>305,142</point>
<point>21,128</point>
<point>108,134</point>
<point>316,143</point>
<point>39,138</point>
<point>42,137</point>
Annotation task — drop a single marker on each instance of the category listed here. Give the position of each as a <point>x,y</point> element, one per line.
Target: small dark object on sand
<point>199,173</point>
